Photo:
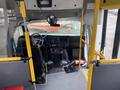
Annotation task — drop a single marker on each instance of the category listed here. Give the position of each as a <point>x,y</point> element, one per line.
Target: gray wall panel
<point>60,5</point>
<point>14,73</point>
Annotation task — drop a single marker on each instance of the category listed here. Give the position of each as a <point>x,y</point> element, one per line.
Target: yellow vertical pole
<point>31,66</point>
<point>92,44</point>
<point>94,30</point>
<point>81,32</point>
<point>23,9</point>
<point>27,39</point>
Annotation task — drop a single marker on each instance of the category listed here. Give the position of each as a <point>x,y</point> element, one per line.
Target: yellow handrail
<point>9,59</point>
<point>109,61</point>
<point>81,32</point>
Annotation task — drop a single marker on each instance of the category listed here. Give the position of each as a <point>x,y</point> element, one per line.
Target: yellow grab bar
<point>10,59</point>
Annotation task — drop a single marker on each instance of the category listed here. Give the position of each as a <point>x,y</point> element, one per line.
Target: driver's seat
<point>39,64</point>
<point>21,47</point>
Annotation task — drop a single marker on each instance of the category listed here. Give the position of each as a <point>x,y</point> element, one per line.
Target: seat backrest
<point>21,47</point>
<point>106,77</point>
<point>14,73</point>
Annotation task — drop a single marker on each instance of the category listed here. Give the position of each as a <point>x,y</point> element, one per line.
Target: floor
<point>63,81</point>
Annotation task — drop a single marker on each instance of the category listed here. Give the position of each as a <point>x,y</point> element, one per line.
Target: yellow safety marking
<point>10,59</point>
<point>22,9</point>
<point>85,74</point>
<point>27,38</point>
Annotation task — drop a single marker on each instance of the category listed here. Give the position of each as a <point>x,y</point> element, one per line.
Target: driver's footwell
<point>63,81</point>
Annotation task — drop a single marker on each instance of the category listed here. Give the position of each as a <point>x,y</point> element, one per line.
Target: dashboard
<point>54,47</point>
<point>62,41</point>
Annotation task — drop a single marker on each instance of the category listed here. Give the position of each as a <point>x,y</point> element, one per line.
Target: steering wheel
<point>37,39</point>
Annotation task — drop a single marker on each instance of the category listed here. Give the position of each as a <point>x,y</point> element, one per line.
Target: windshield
<point>68,27</point>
